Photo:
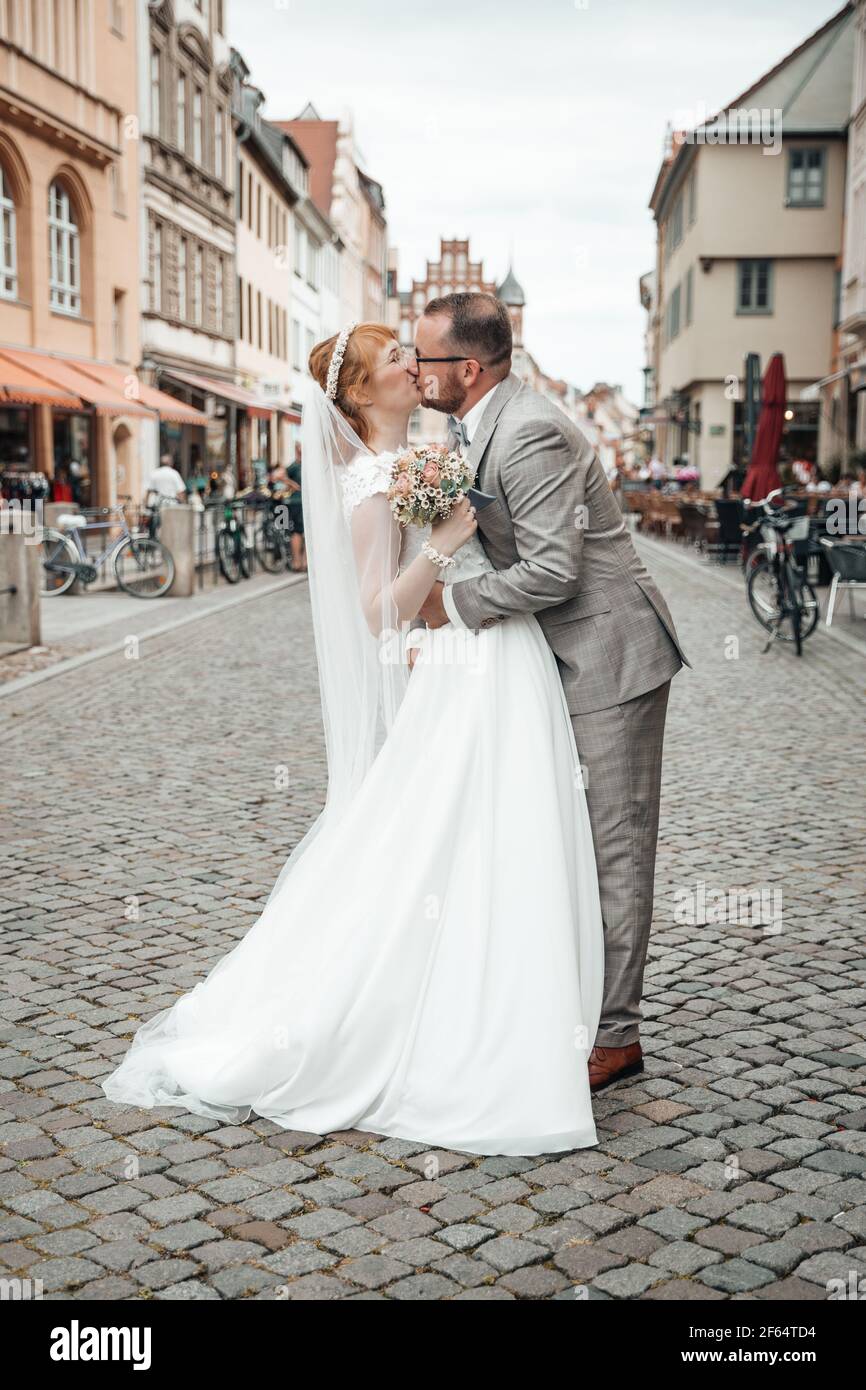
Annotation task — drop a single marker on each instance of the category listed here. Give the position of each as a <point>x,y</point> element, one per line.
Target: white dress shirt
<point>471,423</point>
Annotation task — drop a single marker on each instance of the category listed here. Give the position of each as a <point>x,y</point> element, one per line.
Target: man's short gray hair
<point>480,327</point>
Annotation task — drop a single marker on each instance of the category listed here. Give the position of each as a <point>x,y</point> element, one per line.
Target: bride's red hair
<point>356,371</point>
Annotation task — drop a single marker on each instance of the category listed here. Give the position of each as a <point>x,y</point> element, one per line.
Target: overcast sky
<point>528,125</point>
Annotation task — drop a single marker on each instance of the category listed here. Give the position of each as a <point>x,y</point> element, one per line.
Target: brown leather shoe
<point>609,1064</point>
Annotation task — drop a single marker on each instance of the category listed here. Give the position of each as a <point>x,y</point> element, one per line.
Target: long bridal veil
<point>353,562</point>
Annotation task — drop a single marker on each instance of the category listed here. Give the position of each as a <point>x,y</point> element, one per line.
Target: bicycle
<point>233,551</point>
<point>776,586</point>
<point>271,538</point>
<point>143,567</point>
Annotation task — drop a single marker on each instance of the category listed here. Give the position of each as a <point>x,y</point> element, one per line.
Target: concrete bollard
<point>20,570</point>
<point>177,533</point>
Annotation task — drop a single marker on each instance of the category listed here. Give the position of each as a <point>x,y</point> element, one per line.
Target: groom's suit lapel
<point>499,398</point>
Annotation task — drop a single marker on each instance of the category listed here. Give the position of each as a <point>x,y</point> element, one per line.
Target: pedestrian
<point>166,487</point>
<point>296,513</point>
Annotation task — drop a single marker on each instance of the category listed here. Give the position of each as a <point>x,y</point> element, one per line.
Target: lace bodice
<point>369,474</point>
<point>365,475</point>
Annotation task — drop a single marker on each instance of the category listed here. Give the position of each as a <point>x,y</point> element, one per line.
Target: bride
<point>429,964</point>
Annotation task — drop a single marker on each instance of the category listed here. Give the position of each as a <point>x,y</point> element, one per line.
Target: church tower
<point>511,294</point>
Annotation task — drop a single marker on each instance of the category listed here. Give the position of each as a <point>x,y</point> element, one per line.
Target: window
<point>197,284</point>
<point>64,252</point>
<point>219,294</point>
<point>258,209</point>
<point>690,290</point>
<point>219,143</point>
<point>677,222</point>
<point>674,313</point>
<point>117,17</point>
<point>241,326</point>
<point>311,342</point>
<point>57,34</point>
<point>155,78</point>
<point>313,266</point>
<point>755,287</point>
<point>693,197</point>
<point>806,177</point>
<point>8,242</point>
<point>300,251</point>
<point>181,111</point>
<point>196,125</point>
<point>181,277</point>
<point>296,345</point>
<point>260,334</point>
<point>117,325</point>
<point>115,181</point>
<point>156,266</point>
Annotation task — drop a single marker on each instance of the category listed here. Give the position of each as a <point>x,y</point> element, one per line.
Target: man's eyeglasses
<point>421,360</point>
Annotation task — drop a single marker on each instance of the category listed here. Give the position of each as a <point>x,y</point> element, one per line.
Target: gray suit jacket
<point>561,549</point>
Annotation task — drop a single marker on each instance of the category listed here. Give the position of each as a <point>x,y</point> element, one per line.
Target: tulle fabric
<point>433,968</point>
<point>362,666</point>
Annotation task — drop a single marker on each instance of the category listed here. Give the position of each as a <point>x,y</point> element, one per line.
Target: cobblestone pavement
<point>144,834</point>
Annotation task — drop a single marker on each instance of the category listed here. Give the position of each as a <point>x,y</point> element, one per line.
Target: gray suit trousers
<point>620,752</point>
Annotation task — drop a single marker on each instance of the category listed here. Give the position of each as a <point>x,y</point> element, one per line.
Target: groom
<point>561,550</point>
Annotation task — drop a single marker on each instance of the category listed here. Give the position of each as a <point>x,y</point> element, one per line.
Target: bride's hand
<point>448,535</point>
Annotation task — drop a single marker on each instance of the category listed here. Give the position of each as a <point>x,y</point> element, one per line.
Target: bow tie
<point>458,430</point>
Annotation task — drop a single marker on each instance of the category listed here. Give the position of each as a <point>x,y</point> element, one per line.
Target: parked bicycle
<point>780,596</point>
<point>233,549</point>
<point>143,566</point>
<point>272,537</point>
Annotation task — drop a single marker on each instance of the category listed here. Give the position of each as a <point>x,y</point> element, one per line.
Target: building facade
<point>271,185</point>
<point>69,345</point>
<point>187,211</point>
<point>351,276</point>
<point>843,396</point>
<point>749,215</point>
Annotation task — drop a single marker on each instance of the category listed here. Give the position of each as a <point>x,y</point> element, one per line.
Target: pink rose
<point>430,474</point>
<point>403,485</point>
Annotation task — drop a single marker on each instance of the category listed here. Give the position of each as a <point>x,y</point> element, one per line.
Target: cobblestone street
<point>143,833</point>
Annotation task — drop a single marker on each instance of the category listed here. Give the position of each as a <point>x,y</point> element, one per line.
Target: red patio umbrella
<point>762,474</point>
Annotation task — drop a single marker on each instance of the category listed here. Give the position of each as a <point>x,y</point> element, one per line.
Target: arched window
<point>8,244</point>
<point>64,252</point>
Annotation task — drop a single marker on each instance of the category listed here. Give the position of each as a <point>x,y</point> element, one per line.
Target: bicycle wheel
<point>793,606</point>
<point>271,548</point>
<point>228,555</point>
<point>144,568</point>
<point>765,600</point>
<point>57,554</point>
<point>244,552</point>
<point>805,600</point>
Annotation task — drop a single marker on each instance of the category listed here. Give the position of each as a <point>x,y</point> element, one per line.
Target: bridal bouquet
<point>427,481</point>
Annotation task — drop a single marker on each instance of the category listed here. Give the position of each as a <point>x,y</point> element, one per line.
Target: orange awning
<point>79,376</point>
<point>24,387</point>
<point>168,407</point>
<point>76,383</point>
<point>238,395</point>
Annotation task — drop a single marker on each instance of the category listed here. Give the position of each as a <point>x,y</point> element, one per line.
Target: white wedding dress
<point>432,967</point>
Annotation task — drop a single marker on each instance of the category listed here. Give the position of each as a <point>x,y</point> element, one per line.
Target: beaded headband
<point>337,361</point>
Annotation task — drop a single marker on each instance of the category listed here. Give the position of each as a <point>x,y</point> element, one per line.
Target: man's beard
<point>449,397</point>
